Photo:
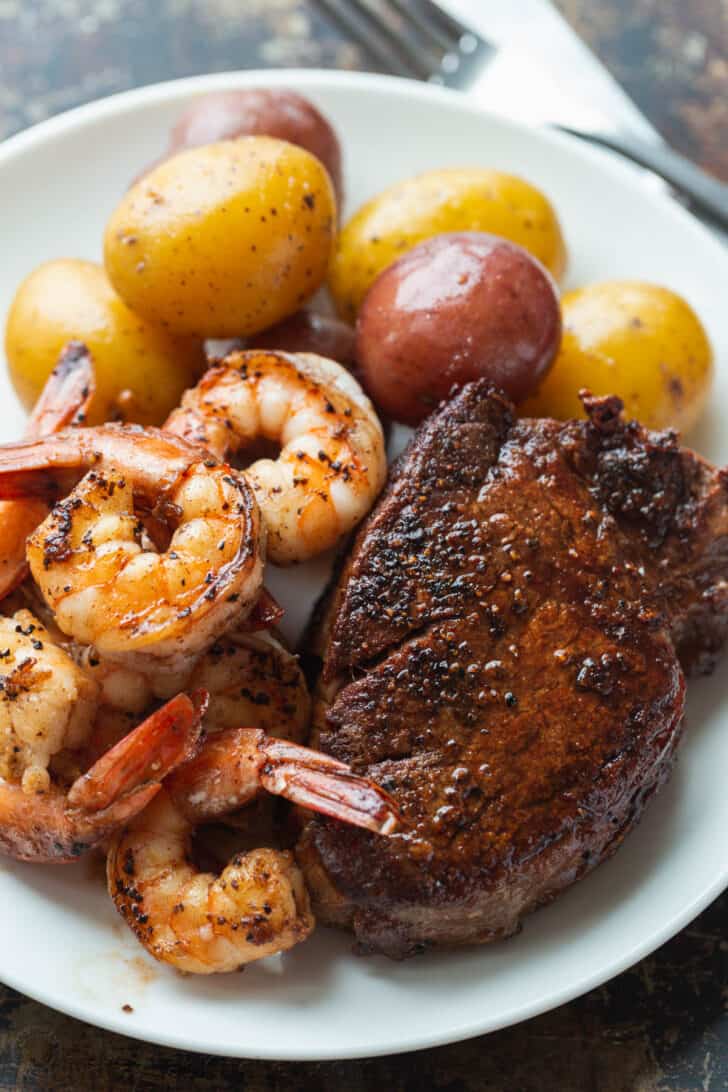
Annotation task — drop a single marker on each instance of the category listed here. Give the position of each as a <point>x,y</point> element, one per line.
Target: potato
<point>223,240</point>
<point>640,341</point>
<point>274,112</point>
<point>460,306</point>
<point>460,199</point>
<point>310,332</point>
<point>141,370</point>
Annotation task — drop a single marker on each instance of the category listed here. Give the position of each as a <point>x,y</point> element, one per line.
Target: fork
<point>419,40</point>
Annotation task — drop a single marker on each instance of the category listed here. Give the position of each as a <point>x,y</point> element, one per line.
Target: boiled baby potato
<point>311,332</point>
<point>260,111</point>
<point>141,371</point>
<point>638,340</point>
<point>460,306</point>
<point>455,199</point>
<point>223,240</point>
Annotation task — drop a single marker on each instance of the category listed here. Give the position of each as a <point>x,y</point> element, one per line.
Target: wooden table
<point>662,1025</point>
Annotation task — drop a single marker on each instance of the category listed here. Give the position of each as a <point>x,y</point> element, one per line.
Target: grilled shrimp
<point>63,401</point>
<point>58,824</point>
<point>332,462</point>
<point>195,921</point>
<point>119,582</point>
<point>253,679</point>
<point>47,704</point>
<point>123,689</point>
<point>258,905</point>
<point>235,765</point>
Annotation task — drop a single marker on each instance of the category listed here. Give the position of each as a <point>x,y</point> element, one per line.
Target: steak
<point>504,651</point>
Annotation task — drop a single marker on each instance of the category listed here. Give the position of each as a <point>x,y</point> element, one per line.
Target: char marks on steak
<point>501,652</point>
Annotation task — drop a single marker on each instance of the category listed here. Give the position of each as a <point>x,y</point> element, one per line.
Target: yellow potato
<point>141,370</point>
<point>637,340</point>
<point>225,239</point>
<point>456,199</point>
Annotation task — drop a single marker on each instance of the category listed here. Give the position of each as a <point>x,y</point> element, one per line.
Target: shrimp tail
<point>234,765</point>
<point>50,466</point>
<point>165,740</point>
<point>38,468</point>
<point>66,395</point>
<point>54,827</point>
<point>63,401</point>
<point>322,783</point>
<point>92,829</point>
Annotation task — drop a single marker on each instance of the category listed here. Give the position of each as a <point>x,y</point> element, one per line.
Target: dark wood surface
<point>660,1027</point>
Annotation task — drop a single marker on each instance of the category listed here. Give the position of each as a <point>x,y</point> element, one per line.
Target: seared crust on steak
<point>500,654</point>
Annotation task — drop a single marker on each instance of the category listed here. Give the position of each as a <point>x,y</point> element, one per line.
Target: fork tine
<point>383,58</point>
<point>395,41</point>
<point>467,53</point>
<point>449,25</point>
<point>451,55</point>
<point>425,26</point>
<point>369,31</point>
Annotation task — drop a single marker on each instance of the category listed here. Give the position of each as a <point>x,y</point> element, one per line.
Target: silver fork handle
<point>705,193</point>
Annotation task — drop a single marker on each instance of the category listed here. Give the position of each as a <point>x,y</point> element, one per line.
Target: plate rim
<point>167,90</point>
<point>14,147</point>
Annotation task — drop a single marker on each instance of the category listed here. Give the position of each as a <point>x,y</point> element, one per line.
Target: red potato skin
<point>460,306</point>
<point>283,114</point>
<point>311,332</point>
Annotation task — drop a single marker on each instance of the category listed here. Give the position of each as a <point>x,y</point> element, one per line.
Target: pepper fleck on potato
<point>638,340</point>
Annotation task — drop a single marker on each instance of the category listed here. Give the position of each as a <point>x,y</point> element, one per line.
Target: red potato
<point>460,306</point>
<point>225,115</point>
<point>310,332</point>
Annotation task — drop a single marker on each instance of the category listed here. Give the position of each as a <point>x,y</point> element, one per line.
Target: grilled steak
<point>503,653</point>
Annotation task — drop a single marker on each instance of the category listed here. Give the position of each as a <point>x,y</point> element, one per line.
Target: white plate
<point>65,945</point>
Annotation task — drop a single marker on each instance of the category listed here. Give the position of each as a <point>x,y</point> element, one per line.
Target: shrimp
<point>195,921</point>
<point>250,679</point>
<point>253,679</point>
<point>113,580</point>
<point>58,825</point>
<point>63,401</point>
<point>258,905</point>
<point>236,764</point>
<point>47,703</point>
<point>332,462</point>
